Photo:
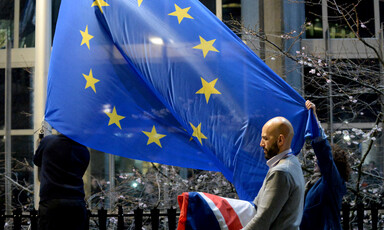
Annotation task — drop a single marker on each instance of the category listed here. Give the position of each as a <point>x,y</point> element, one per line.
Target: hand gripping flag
<point>167,82</point>
<point>206,211</point>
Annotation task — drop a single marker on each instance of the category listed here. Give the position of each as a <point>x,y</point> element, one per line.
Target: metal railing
<point>101,220</point>
<point>356,217</point>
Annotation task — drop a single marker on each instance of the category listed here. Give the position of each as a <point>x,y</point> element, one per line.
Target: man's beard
<point>272,151</point>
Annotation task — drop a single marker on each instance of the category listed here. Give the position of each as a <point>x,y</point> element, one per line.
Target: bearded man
<point>279,203</point>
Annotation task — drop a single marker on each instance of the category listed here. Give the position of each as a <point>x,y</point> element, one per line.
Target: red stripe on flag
<point>183,204</point>
<point>230,216</point>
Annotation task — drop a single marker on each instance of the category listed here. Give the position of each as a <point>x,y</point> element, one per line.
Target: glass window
<point>2,170</point>
<point>353,90</point>
<point>2,98</point>
<point>232,15</point>
<point>99,179</point>
<point>358,142</point>
<point>210,4</point>
<point>124,166</point>
<point>22,98</point>
<point>232,10</point>
<point>342,17</point>
<point>27,23</point>
<point>55,14</point>
<point>381,9</point>
<point>314,23</point>
<point>22,170</point>
<point>6,21</point>
<point>316,90</point>
<point>354,98</point>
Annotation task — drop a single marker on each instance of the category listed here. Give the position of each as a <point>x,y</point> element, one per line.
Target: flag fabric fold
<point>206,211</point>
<point>166,82</point>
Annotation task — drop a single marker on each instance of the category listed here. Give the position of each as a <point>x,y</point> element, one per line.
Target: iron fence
<point>356,217</point>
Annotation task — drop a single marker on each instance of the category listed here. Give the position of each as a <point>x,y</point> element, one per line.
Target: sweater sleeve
<point>328,169</point>
<point>271,201</point>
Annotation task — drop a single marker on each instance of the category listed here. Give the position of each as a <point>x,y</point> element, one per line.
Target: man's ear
<point>281,140</point>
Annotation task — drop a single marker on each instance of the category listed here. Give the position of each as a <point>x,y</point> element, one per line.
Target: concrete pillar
<point>294,19</point>
<point>42,56</point>
<point>253,21</point>
<point>273,28</point>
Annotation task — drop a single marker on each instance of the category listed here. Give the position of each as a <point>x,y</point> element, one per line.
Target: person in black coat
<point>62,163</point>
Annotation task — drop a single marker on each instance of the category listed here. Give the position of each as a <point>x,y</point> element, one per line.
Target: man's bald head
<point>276,136</point>
<point>280,125</point>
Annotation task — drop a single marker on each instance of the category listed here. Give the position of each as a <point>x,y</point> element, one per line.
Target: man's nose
<point>261,143</point>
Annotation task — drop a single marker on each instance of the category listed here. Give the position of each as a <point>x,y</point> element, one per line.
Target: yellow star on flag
<point>114,118</point>
<point>197,132</point>
<point>206,46</point>
<point>86,37</point>
<point>100,3</point>
<point>208,89</point>
<point>139,2</point>
<point>154,137</point>
<point>181,13</point>
<point>91,81</point>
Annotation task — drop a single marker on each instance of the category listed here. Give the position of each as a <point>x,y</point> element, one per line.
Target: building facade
<point>325,36</point>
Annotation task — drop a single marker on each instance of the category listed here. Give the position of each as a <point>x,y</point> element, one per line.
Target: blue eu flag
<point>167,82</point>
